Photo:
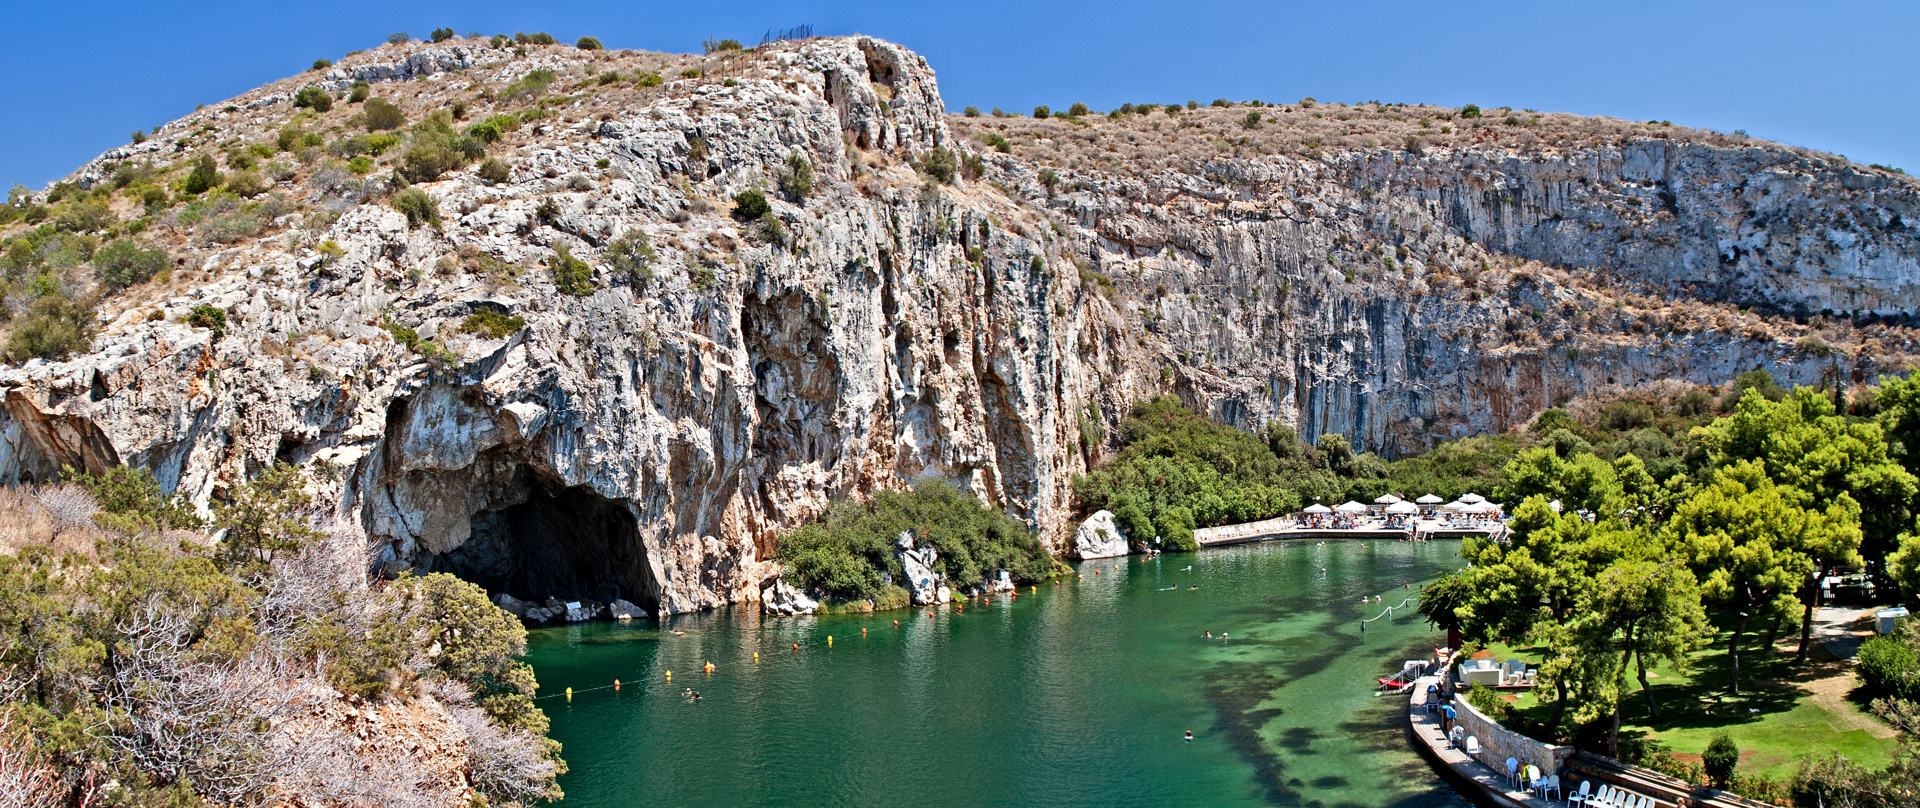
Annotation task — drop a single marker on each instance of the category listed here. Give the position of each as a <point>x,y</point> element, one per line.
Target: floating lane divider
<point>1387,613</point>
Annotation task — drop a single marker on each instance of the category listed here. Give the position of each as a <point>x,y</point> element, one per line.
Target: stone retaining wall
<point>1498,743</point>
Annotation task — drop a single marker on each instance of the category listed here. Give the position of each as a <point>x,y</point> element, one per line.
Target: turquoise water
<point>1076,695</point>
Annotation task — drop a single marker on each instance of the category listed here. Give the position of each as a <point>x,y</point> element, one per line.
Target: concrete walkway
<point>1834,628</point>
<point>1431,742</point>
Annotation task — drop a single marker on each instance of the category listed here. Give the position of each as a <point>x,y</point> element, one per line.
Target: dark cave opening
<point>564,542</point>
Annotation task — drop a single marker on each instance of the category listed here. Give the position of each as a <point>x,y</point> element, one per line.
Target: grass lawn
<point>1783,713</point>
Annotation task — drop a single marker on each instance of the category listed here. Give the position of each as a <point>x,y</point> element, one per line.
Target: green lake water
<point>1076,695</point>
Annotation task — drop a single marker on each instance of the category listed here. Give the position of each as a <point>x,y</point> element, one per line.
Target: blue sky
<point>1843,77</point>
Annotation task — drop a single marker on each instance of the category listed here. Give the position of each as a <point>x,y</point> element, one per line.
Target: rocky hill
<point>579,366</point>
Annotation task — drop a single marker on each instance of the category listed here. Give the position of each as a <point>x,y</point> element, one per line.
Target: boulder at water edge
<point>1099,537</point>
<point>781,597</point>
<point>624,610</point>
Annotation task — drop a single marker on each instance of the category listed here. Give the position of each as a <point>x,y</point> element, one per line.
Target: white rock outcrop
<point>781,597</point>
<point>1099,537</point>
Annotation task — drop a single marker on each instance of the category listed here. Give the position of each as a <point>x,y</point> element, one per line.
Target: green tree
<point>267,517</point>
<point>1750,541</point>
<point>1807,446</point>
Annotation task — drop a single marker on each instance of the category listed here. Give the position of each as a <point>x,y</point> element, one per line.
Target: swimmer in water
<point>1209,634</point>
<point>1189,735</point>
<point>1191,588</point>
<point>1223,635</point>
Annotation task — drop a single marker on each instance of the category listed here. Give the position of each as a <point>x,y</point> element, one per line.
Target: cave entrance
<point>561,541</point>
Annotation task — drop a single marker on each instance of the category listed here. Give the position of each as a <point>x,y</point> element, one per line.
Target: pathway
<point>1834,628</point>
<point>1286,527</point>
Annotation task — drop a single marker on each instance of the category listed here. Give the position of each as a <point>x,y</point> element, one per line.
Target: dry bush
<point>27,780</point>
<point>58,516</point>
<point>505,764</point>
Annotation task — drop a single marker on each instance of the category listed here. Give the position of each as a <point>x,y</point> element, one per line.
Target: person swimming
<point>1191,588</point>
<point>1223,635</point>
<point>1209,634</point>
<point>1189,735</point>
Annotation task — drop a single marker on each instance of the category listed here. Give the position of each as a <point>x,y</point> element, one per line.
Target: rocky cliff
<point>649,439</point>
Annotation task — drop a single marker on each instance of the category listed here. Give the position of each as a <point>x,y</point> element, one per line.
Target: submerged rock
<point>1099,537</point>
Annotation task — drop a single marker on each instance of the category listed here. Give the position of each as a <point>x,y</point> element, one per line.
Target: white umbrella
<point>1556,506</point>
<point>1403,508</point>
<point>1483,506</point>
<point>1351,507</point>
<point>1455,505</point>
<point>1385,499</point>
<point>1472,498</point>
<point>1430,499</point>
<point>1318,508</point>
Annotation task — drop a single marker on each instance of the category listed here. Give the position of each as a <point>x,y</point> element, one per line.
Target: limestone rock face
<point>1099,537</point>
<point>648,441</point>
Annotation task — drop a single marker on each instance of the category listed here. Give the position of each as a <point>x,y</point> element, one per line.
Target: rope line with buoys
<point>1387,613</point>
<point>709,667</point>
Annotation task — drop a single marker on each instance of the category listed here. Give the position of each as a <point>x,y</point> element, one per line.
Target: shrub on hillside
<point>632,256</point>
<point>380,114</point>
<point>204,176</point>
<point>940,165</point>
<point>54,327</point>
<point>359,92</point>
<point>845,552</point>
<point>587,43</point>
<point>1042,111</point>
<point>796,182</point>
<point>319,100</point>
<point>530,86</point>
<point>1078,109</point>
<point>321,64</point>
<point>418,207</point>
<point>648,80</point>
<point>435,149</point>
<point>123,263</point>
<point>493,324</point>
<point>494,171</point>
<point>571,275</point>
<point>208,316</point>
<point>750,204</point>
<point>441,34</point>
<point>399,38</point>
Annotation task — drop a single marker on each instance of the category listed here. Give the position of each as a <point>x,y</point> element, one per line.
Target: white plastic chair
<point>1513,772</point>
<point>1552,787</point>
<point>1580,797</point>
<point>1603,798</point>
<point>1473,747</point>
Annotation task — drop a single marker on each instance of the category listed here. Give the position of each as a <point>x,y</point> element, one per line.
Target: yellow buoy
<point>669,676</point>
<point>863,631</point>
<point>756,656</point>
<point>616,684</point>
<point>1033,590</point>
<point>709,668</point>
<point>569,694</point>
<point>829,640</point>
<point>896,624</point>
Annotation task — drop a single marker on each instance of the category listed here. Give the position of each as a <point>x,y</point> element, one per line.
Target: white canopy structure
<point>1351,507</point>
<point>1556,506</point>
<point>1385,499</point>
<point>1430,499</point>
<point>1456,505</point>
<point>1403,508</point>
<point>1483,506</point>
<point>1471,498</point>
<point>1318,508</point>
